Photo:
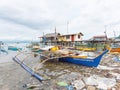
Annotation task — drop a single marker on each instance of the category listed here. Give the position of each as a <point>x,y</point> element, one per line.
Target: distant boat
<point>13,48</point>
<point>84,61</point>
<point>2,48</point>
<point>4,51</point>
<point>50,48</point>
<point>35,49</point>
<point>87,49</point>
<point>114,49</point>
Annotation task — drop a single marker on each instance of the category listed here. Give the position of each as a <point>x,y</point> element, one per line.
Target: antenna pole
<point>105,32</point>
<point>67,27</point>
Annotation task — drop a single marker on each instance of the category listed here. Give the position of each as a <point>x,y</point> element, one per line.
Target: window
<point>79,36</point>
<point>67,37</point>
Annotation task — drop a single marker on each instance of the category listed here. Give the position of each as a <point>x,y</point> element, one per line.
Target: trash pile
<point>66,76</point>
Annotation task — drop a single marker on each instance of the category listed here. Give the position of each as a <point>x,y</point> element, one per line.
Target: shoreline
<point>13,77</point>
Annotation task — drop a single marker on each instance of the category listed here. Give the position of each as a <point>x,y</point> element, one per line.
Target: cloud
<point>33,15</point>
<point>30,18</point>
<point>11,31</point>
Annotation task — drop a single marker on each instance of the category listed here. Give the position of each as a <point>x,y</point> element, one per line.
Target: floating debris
<point>70,87</point>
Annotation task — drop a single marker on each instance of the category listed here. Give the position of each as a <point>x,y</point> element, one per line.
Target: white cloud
<point>28,19</point>
<point>11,31</point>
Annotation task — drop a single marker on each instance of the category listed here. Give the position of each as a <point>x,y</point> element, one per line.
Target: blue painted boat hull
<point>14,48</point>
<point>37,51</point>
<point>85,62</point>
<point>4,51</point>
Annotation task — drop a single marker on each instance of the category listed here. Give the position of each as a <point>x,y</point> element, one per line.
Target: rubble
<point>100,82</point>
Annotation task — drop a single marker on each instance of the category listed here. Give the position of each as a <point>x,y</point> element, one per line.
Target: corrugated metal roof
<point>52,34</point>
<point>102,36</point>
<point>73,34</point>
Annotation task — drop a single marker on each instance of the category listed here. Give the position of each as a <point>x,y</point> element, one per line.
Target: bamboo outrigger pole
<point>27,68</point>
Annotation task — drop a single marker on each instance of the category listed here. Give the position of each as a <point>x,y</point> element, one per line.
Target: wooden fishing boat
<point>49,48</point>
<point>84,61</point>
<point>4,51</point>
<point>87,49</point>
<point>35,49</point>
<point>115,50</point>
<point>2,48</point>
<point>13,48</point>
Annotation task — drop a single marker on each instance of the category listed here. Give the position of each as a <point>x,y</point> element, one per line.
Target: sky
<point>29,19</point>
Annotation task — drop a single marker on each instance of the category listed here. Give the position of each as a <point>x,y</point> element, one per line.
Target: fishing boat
<point>13,48</point>
<point>2,50</point>
<point>84,61</point>
<point>35,48</point>
<point>114,49</point>
<point>49,48</point>
<point>88,49</point>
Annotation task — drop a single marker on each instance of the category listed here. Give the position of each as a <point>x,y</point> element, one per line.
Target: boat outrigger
<point>28,69</point>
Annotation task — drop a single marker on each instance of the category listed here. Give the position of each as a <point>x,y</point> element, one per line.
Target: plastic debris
<point>79,84</point>
<point>100,82</point>
<point>116,58</point>
<point>117,75</point>
<point>70,87</point>
<point>62,84</point>
<point>25,85</point>
<point>32,86</point>
<point>91,88</point>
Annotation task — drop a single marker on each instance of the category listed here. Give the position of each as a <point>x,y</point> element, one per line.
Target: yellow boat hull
<point>87,49</point>
<point>55,48</point>
<point>115,50</point>
<point>79,56</point>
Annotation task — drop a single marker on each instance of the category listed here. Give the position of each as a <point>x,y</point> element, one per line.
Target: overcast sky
<point>28,19</point>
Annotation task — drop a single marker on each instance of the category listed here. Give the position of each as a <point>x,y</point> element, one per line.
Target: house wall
<point>68,39</point>
<point>78,39</point>
<point>64,38</point>
<point>61,38</point>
